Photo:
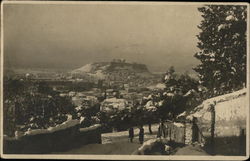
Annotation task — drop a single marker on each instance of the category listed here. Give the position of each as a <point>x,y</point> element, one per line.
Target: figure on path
<point>131,134</point>
<point>161,130</point>
<point>141,135</point>
<point>164,129</point>
<point>195,130</point>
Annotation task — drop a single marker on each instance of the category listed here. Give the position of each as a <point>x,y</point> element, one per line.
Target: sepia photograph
<point>124,80</point>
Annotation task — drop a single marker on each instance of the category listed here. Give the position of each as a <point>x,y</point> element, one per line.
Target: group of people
<point>162,132</point>
<point>141,134</point>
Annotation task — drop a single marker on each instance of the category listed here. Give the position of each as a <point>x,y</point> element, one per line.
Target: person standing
<point>164,128</point>
<point>159,133</point>
<point>161,130</point>
<point>195,131</point>
<point>141,135</point>
<point>131,134</point>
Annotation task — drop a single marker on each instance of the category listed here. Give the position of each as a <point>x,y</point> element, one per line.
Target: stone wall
<point>182,133</point>
<point>175,132</point>
<point>61,139</point>
<point>188,133</point>
<point>179,132</point>
<point>230,117</point>
<point>90,135</point>
<point>229,123</point>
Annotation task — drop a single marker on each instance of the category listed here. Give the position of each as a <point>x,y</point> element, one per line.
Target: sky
<point>68,36</point>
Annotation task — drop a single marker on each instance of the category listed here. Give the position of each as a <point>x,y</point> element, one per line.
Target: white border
<point>248,84</point>
<point>1,81</point>
<point>122,157</point>
<point>121,2</point>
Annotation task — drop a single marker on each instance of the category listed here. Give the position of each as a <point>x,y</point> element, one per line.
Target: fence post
<point>212,128</point>
<point>184,135</point>
<point>242,141</point>
<point>170,132</point>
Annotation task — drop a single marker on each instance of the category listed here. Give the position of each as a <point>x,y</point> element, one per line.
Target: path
<point>114,143</point>
<point>117,143</point>
<point>117,136</point>
<point>191,150</point>
<point>123,148</point>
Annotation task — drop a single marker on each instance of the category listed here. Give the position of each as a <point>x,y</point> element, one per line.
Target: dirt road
<point>114,143</point>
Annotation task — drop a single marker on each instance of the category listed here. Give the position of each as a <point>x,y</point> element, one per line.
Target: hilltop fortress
<point>121,64</point>
<point>112,66</point>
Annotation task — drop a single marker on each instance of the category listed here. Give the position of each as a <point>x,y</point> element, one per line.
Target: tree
<point>186,83</point>
<point>170,78</point>
<point>222,44</point>
<point>13,87</point>
<point>44,88</point>
<point>178,94</point>
<point>32,105</point>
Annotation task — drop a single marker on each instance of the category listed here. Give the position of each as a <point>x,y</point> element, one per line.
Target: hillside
<point>113,70</point>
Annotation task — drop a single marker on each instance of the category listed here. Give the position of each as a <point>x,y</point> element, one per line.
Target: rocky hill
<point>113,70</point>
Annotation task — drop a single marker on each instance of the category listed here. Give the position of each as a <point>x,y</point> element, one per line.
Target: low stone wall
<point>181,133</point>
<point>176,132</point>
<point>90,135</point>
<point>188,133</point>
<point>45,142</point>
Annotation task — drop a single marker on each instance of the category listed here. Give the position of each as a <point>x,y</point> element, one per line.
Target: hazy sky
<point>69,36</point>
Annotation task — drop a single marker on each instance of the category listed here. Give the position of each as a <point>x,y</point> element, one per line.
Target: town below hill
<point>100,86</point>
<point>116,74</point>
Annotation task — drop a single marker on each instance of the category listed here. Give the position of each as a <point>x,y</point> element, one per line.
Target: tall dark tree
<point>222,44</point>
<point>179,92</point>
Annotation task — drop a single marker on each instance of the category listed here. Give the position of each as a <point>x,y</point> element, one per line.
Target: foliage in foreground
<point>33,105</point>
<point>222,44</point>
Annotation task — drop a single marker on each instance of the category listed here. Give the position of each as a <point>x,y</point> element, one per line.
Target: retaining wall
<point>60,139</point>
<point>230,113</point>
